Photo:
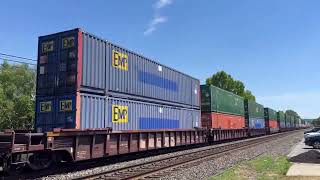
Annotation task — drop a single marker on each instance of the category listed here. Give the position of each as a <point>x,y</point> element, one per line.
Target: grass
<point>263,168</point>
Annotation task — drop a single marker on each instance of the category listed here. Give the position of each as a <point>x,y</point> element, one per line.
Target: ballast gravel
<point>205,169</point>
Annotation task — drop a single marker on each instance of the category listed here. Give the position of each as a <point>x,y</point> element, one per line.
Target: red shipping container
<point>222,121</point>
<point>273,124</point>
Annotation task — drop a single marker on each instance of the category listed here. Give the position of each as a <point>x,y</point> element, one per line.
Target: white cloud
<point>153,24</point>
<point>162,3</point>
<point>305,103</point>
<point>157,19</point>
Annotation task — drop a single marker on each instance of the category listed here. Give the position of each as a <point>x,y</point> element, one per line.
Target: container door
<point>67,63</point>
<point>66,112</point>
<point>45,114</point>
<point>46,69</point>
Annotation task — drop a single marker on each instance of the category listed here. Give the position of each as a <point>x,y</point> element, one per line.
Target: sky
<point>270,45</point>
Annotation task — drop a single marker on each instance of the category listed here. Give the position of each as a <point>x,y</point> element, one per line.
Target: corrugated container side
<point>214,99</point>
<point>92,111</point>
<point>271,120</point>
<point>255,109</point>
<point>273,124</point>
<point>288,121</point>
<point>74,61</point>
<point>93,64</point>
<point>143,77</point>
<point>83,111</point>
<point>206,104</point>
<point>133,115</point>
<point>256,123</point>
<point>281,119</point>
<point>293,121</point>
<point>221,120</point>
<point>196,92</point>
<point>270,114</point>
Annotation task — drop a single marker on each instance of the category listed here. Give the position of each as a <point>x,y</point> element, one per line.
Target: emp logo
<point>47,46</point>
<point>119,114</point>
<point>45,106</point>
<point>65,106</point>
<point>120,60</point>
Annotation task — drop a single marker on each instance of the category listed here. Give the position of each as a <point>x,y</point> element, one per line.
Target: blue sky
<point>270,45</point>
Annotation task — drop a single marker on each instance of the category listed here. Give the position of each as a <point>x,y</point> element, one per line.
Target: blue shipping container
<point>73,61</point>
<point>282,124</point>
<point>256,123</point>
<point>92,111</point>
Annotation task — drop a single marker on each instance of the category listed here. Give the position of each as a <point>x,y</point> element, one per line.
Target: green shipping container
<point>214,99</point>
<point>281,116</point>
<point>270,114</point>
<point>292,121</point>
<point>296,121</point>
<point>253,109</point>
<point>289,122</point>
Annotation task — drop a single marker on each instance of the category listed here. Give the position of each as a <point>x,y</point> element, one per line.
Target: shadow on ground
<point>311,156</point>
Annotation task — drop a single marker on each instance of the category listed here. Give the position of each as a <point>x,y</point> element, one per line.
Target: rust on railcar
<point>227,134</point>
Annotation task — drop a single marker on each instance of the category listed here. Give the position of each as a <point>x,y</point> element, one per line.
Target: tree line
<point>17,96</point>
<point>225,81</point>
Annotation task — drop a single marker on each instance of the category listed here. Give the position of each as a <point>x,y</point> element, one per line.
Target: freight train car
<point>95,111</point>
<point>272,124</point>
<point>281,120</point>
<point>96,99</point>
<point>254,114</point>
<point>222,113</point>
<point>221,109</point>
<point>290,121</point>
<point>40,150</point>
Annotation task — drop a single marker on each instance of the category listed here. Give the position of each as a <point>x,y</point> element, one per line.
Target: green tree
<point>316,122</point>
<point>17,90</point>
<point>292,113</point>
<point>225,81</point>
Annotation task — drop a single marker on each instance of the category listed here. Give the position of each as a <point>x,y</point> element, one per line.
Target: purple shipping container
<point>76,61</point>
<point>84,111</point>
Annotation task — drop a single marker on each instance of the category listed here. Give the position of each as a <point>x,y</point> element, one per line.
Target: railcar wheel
<point>14,170</point>
<point>38,161</point>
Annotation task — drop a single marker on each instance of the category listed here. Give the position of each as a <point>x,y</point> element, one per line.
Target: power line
<point>11,60</point>
<point>18,57</point>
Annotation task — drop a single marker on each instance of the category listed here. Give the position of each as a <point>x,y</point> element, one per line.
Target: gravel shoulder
<point>208,169</point>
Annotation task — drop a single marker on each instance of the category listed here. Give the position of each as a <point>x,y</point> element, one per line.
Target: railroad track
<point>155,169</point>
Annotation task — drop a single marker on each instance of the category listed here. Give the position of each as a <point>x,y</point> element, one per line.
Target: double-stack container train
<point>86,82</point>
<point>221,109</point>
<point>271,120</point>
<point>95,99</point>
<point>254,113</point>
<point>281,120</point>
